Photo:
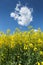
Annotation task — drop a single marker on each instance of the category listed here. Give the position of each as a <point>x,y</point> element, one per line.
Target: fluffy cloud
<point>35,30</point>
<point>22,14</point>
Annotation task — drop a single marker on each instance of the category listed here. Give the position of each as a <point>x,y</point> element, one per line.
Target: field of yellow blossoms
<point>21,48</point>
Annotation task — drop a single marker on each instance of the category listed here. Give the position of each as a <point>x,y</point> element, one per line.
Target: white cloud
<point>35,30</point>
<point>17,6</point>
<point>22,14</point>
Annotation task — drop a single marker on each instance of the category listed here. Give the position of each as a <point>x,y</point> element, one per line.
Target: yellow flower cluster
<point>39,63</point>
<point>21,46</point>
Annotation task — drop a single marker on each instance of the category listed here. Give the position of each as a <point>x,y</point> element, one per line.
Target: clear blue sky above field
<point>7,21</point>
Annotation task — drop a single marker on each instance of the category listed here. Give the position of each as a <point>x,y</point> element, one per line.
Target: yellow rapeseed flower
<point>12,45</point>
<point>25,47</point>
<point>39,41</point>
<point>35,49</point>
<point>42,63</point>
<point>31,45</point>
<point>38,63</point>
<point>41,52</point>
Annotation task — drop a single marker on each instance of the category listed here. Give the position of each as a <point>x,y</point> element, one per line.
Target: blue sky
<point>8,6</point>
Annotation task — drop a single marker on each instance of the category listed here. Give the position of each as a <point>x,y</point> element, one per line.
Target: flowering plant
<point>21,48</point>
